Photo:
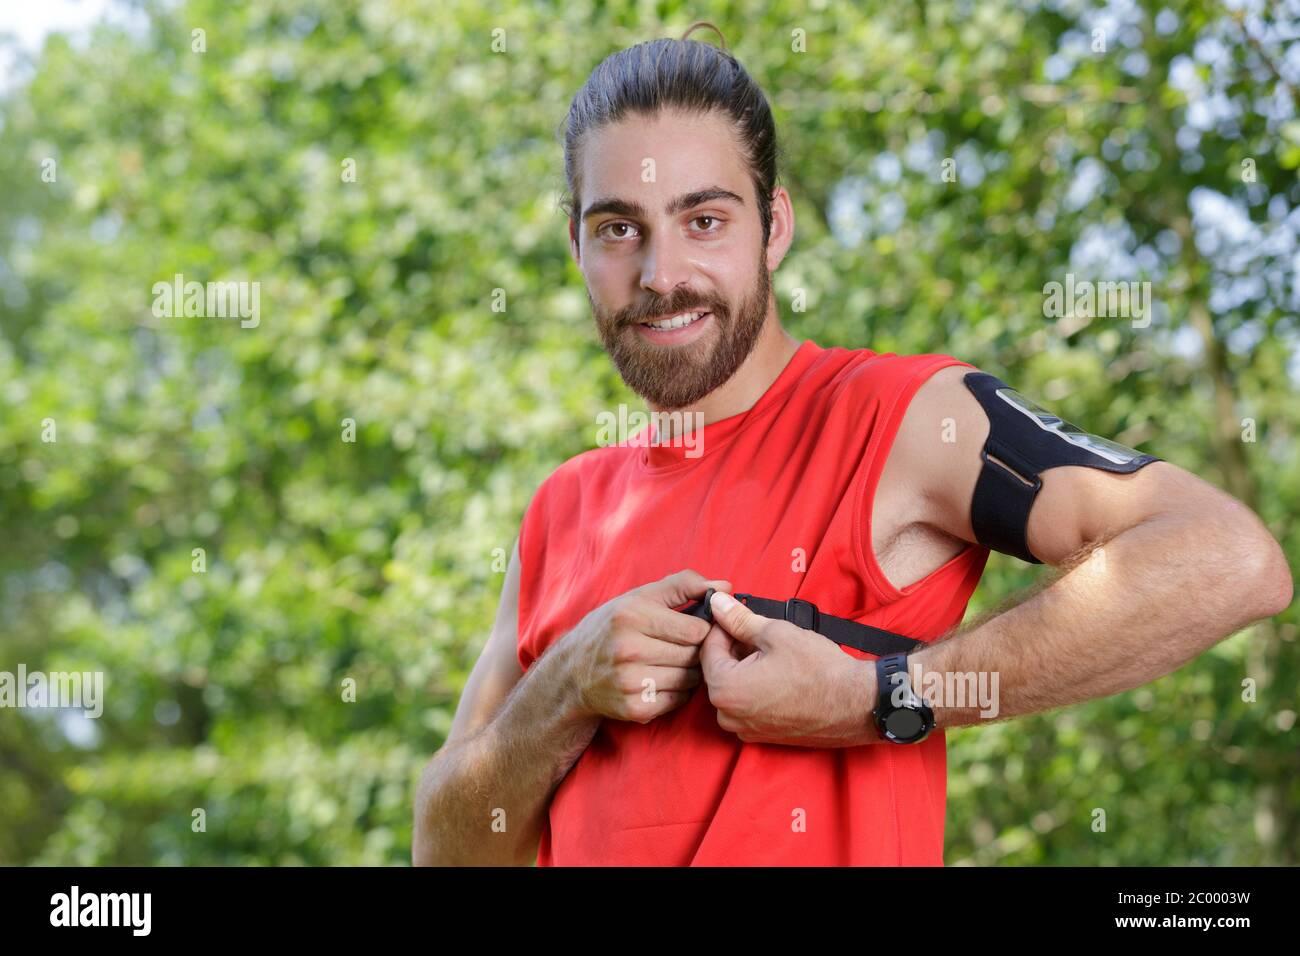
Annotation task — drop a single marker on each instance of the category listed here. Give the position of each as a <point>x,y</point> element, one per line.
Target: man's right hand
<point>634,657</point>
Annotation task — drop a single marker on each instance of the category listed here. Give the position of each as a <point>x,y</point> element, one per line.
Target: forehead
<point>688,150</point>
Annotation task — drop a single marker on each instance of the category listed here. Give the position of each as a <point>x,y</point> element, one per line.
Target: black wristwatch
<point>902,717</point>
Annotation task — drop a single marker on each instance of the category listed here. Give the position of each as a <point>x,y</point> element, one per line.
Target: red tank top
<point>779,504</point>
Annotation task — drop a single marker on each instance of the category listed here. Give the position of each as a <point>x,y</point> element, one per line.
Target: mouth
<point>678,320</point>
<point>675,328</point>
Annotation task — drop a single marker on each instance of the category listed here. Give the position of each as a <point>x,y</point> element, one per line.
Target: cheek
<point>607,276</point>
<point>737,285</point>
<point>740,268</point>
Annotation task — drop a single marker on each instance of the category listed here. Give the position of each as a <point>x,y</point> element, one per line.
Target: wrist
<point>564,664</point>
<point>861,697</point>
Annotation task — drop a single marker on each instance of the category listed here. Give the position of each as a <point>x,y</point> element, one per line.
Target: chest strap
<point>863,637</point>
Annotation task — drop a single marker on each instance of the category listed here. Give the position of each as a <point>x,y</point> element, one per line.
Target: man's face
<point>669,225</point>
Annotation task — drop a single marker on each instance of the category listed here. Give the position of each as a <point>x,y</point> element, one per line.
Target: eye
<point>619,224</point>
<point>613,225</point>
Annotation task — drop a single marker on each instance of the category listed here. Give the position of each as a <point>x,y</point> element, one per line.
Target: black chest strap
<point>863,637</point>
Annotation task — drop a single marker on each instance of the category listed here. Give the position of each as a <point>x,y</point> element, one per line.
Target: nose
<point>666,265</point>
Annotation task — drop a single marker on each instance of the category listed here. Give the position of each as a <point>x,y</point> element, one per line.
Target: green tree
<point>381,169</point>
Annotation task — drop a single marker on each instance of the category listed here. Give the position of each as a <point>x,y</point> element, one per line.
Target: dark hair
<point>683,74</point>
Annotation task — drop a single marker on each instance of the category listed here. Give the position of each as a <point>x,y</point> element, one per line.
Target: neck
<point>770,355</point>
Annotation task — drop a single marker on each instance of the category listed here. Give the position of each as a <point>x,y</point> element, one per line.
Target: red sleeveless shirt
<point>779,504</point>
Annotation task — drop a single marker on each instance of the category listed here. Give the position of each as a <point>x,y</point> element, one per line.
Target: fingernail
<point>722,602</point>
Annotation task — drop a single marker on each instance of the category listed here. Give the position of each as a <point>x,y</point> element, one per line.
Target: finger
<point>670,700</point>
<point>739,650</point>
<point>644,649</point>
<point>652,682</point>
<point>739,621</point>
<point>717,655</point>
<point>681,588</point>
<point>669,625</point>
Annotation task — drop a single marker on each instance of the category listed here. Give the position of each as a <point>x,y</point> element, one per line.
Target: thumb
<point>682,588</point>
<point>739,621</point>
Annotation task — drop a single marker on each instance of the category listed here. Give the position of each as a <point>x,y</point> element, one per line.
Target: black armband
<point>1024,441</point>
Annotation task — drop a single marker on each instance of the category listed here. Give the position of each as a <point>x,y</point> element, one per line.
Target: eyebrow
<point>628,207</point>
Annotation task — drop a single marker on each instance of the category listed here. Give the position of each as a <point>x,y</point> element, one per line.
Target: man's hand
<point>635,658</point>
<point>776,683</point>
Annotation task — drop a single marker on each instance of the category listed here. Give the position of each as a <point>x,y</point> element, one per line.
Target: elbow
<point>1277,583</point>
<point>1267,581</point>
<point>422,855</point>
<point>438,840</point>
<point>422,850</point>
<point>426,848</point>
<point>424,843</point>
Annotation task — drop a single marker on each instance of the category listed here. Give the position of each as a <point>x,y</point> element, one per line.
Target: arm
<point>1157,565</point>
<point>483,797</point>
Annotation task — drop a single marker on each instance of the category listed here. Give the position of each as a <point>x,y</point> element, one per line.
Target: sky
<point>30,20</point>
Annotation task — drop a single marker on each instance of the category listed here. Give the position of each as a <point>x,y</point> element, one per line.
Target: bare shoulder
<point>908,535</point>
<point>936,453</point>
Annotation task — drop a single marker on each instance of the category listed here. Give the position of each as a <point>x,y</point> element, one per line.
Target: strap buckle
<point>703,609</point>
<point>803,614</point>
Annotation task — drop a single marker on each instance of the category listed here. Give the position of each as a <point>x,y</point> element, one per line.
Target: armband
<point>1024,441</point>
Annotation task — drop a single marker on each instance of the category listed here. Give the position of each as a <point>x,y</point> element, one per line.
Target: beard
<point>674,376</point>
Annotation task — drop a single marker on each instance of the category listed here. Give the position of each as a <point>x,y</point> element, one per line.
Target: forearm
<point>483,800</point>
<point>1139,607</point>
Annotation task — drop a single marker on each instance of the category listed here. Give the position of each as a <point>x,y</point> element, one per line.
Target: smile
<point>678,321</point>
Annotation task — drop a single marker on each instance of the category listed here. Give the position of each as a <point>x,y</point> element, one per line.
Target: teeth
<point>677,321</point>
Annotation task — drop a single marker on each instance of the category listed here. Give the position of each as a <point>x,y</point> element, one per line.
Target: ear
<point>782,234</point>
<point>573,242</point>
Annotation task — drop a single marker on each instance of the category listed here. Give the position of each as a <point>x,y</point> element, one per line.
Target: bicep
<point>497,669</point>
<point>1079,507</point>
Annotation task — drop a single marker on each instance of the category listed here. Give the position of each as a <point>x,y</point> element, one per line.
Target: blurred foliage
<point>374,560</point>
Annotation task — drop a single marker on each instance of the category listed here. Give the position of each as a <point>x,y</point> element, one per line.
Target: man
<point>614,718</point>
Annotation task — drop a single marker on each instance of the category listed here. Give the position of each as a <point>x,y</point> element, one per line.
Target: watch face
<point>904,724</point>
